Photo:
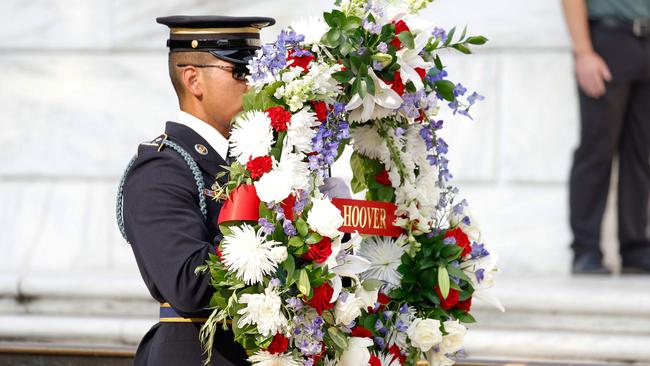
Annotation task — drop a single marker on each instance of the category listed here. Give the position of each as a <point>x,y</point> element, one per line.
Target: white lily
<point>347,265</point>
<point>482,288</point>
<point>410,59</point>
<point>381,104</point>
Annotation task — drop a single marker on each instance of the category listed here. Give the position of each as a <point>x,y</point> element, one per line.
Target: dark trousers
<point>617,124</point>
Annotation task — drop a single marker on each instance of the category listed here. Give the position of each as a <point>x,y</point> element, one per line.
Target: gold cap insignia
<point>195,43</point>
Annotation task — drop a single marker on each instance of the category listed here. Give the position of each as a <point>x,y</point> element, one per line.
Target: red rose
<point>279,344</point>
<point>374,360</point>
<point>422,72</point>
<point>300,61</point>
<point>397,84</point>
<point>397,353</point>
<point>465,305</point>
<point>280,118</point>
<point>360,331</point>
<point>258,166</point>
<point>450,301</point>
<point>461,240</point>
<point>399,28</point>
<point>218,250</point>
<point>321,299</point>
<point>383,178</point>
<point>320,108</point>
<point>320,251</point>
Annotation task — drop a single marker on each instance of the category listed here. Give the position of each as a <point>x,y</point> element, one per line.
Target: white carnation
<point>251,136</point>
<point>325,218</point>
<point>301,131</point>
<point>424,333</point>
<point>291,173</point>
<point>366,140</point>
<point>263,310</point>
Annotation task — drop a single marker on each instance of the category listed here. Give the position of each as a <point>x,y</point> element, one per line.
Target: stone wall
<point>84,81</point>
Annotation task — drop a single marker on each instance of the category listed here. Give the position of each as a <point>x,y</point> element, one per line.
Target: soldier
<point>164,207</point>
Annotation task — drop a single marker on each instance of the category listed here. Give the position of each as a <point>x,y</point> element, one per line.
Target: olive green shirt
<point>625,10</point>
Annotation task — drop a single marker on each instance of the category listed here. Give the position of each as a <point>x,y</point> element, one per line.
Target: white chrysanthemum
<point>249,254</point>
<point>385,255</point>
<point>301,131</point>
<point>366,140</point>
<point>298,170</point>
<point>416,146</point>
<point>387,359</point>
<point>265,358</point>
<point>263,310</point>
<point>312,28</point>
<point>251,136</point>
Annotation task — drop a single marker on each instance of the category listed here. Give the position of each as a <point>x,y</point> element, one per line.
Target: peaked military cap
<point>233,39</point>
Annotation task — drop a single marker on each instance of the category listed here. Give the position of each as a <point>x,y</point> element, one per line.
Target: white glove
<point>335,187</point>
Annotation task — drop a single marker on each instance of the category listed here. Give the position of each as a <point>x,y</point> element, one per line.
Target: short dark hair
<point>175,72</point>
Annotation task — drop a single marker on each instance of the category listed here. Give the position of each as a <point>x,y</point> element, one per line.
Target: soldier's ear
<point>190,76</point>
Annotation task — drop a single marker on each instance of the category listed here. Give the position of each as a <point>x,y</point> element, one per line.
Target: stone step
<point>569,346</point>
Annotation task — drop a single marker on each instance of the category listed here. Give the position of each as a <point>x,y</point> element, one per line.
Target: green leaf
<point>225,230</point>
<point>289,265</point>
<point>314,238</point>
<point>302,227</point>
<point>303,282</point>
<point>276,151</point>
<point>329,19</point>
<point>450,35</point>
<point>370,85</point>
<point>446,89</point>
<point>371,285</point>
<point>339,339</point>
<point>358,165</point>
<point>463,316</point>
<point>477,40</point>
<point>296,241</point>
<point>462,48</point>
<point>462,35</point>
<point>328,317</point>
<point>332,37</point>
<point>351,23</point>
<point>443,281</point>
<point>343,77</point>
<point>438,63</point>
<point>406,38</point>
<point>357,63</point>
<point>457,272</point>
<point>265,212</point>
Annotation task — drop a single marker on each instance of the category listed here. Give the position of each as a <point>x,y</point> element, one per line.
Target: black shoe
<point>588,264</point>
<point>642,269</point>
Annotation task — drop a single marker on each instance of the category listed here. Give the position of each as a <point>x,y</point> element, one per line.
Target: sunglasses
<point>239,72</point>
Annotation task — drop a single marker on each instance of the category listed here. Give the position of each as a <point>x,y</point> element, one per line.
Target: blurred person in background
<point>611,48</point>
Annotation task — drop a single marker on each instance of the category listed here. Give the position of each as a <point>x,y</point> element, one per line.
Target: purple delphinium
<point>327,140</point>
<point>382,47</point>
<point>439,33</point>
<point>380,342</point>
<point>288,228</point>
<point>267,227</point>
<point>478,251</point>
<point>459,90</point>
<point>480,275</point>
<point>272,58</point>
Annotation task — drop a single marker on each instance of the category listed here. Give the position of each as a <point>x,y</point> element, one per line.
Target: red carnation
<point>397,84</point>
<point>280,118</point>
<point>320,251</point>
<point>450,301</point>
<point>461,240</point>
<point>279,344</point>
<point>465,305</point>
<point>321,299</point>
<point>382,299</point>
<point>374,361</point>
<point>383,178</point>
<point>360,331</point>
<point>320,108</point>
<point>300,61</point>
<point>397,353</point>
<point>399,28</point>
<point>218,250</point>
<point>258,166</point>
<point>422,72</point>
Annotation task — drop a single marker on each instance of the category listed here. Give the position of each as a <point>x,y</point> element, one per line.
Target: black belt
<point>638,27</point>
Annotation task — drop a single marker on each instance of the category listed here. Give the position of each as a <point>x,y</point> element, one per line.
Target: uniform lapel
<point>205,155</point>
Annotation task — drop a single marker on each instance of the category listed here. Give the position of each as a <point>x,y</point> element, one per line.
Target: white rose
<point>347,311</point>
<point>325,218</point>
<point>357,353</point>
<point>273,187</point>
<point>453,341</point>
<point>424,333</point>
<point>279,254</point>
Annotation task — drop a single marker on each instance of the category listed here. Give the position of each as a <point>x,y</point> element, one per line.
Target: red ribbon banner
<point>365,217</point>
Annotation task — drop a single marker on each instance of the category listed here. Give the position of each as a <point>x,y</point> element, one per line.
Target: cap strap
<point>212,44</point>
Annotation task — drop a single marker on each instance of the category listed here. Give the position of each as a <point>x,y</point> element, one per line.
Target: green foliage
<point>262,100</point>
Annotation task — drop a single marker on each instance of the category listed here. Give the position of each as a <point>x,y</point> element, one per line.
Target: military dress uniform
<point>166,212</point>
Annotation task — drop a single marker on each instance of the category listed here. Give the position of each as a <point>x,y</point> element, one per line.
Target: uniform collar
<point>199,149</point>
<point>209,133</point>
